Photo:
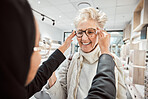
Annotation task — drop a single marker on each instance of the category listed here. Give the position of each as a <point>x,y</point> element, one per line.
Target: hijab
<point>17,42</point>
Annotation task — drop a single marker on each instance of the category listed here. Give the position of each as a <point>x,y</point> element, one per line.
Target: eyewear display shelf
<point>134,90</point>
<point>140,17</point>
<point>146,78</point>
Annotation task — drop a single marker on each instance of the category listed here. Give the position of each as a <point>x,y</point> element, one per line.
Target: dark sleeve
<point>45,71</point>
<point>103,85</point>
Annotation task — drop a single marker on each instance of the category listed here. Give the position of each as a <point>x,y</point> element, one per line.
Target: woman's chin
<point>86,50</point>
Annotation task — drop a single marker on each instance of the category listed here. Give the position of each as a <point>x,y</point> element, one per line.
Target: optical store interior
<point>127,23</point>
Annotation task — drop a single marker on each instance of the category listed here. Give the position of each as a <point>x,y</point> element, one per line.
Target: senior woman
<point>75,77</point>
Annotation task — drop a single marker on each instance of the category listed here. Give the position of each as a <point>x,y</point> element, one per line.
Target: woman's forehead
<point>83,25</point>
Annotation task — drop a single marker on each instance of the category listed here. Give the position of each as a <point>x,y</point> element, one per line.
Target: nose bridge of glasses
<point>85,35</point>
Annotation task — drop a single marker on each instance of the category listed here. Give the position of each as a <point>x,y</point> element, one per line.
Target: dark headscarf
<point>17,42</point>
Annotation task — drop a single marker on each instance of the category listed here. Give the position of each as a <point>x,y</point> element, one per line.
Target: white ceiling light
<point>39,2</point>
<point>83,5</point>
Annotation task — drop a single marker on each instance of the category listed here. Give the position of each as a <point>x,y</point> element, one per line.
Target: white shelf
<point>140,17</point>
<point>138,66</point>
<point>136,35</point>
<point>134,91</point>
<point>125,39</point>
<point>140,89</point>
<point>139,28</point>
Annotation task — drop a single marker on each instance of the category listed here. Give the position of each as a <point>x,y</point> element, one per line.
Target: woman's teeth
<point>86,43</point>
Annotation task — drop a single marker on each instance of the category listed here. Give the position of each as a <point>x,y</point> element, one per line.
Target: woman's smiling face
<point>87,44</point>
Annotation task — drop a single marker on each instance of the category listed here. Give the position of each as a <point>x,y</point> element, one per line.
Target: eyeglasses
<point>36,49</point>
<point>90,32</point>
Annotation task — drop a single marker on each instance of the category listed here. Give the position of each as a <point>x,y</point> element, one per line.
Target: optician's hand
<point>67,42</point>
<point>104,41</point>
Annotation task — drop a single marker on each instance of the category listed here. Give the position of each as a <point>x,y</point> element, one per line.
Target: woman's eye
<point>79,32</point>
<point>90,32</point>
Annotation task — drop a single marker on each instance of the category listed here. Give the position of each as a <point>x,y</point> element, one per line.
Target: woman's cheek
<point>34,65</point>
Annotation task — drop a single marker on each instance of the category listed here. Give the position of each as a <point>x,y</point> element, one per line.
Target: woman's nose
<point>84,37</point>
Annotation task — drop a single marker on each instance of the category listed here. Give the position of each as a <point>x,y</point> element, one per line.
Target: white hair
<point>92,14</point>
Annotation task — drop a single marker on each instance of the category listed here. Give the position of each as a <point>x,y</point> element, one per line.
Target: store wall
<point>50,31</point>
<point>53,33</point>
